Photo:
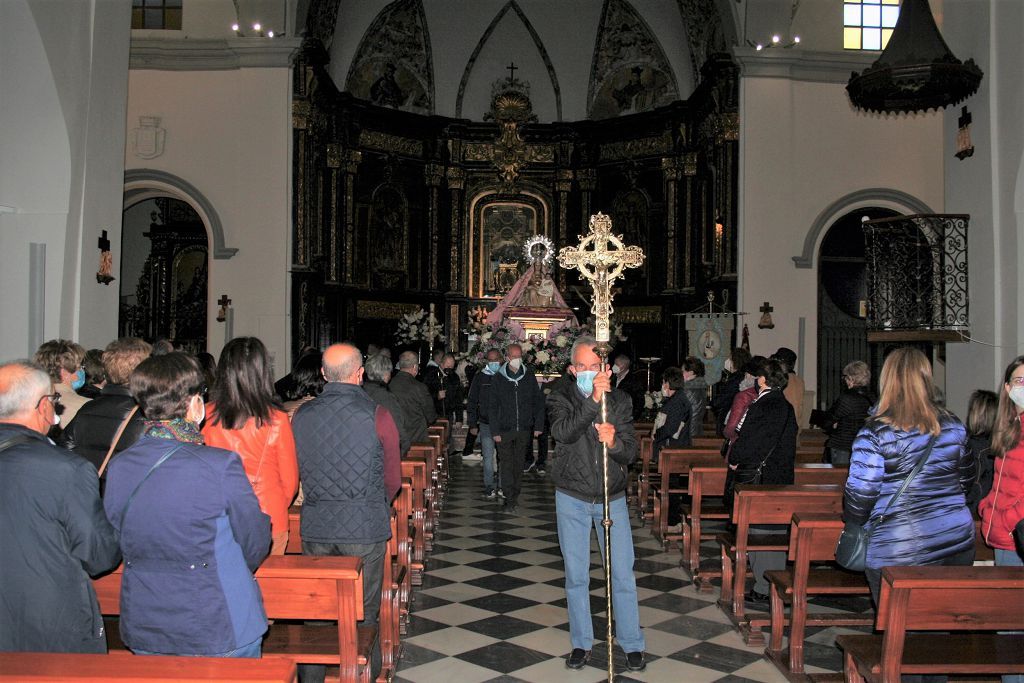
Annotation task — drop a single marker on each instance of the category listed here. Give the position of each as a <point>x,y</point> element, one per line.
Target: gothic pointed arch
<point>511,6</point>
<point>705,32</point>
<point>629,72</point>
<point>393,66</point>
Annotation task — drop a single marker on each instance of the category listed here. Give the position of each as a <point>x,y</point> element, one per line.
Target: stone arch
<point>146,183</point>
<point>883,197</point>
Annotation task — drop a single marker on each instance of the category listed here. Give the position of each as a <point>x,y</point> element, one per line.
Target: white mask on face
<point>747,382</point>
<point>616,369</point>
<point>728,365</point>
<point>514,364</point>
<point>56,419</point>
<point>1017,396</point>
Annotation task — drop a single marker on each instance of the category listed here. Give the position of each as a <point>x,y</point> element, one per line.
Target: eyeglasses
<point>1018,381</point>
<point>54,399</point>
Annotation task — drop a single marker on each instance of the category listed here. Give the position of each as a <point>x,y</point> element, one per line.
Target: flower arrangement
<point>419,327</point>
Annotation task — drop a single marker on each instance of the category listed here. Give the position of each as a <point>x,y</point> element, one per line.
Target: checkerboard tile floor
<point>492,604</point>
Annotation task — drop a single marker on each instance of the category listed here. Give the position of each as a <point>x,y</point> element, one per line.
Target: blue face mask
<point>492,366</point>
<point>585,381</point>
<point>79,381</point>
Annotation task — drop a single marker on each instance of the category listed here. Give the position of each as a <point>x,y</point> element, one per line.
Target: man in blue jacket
<point>52,526</point>
<point>517,417</point>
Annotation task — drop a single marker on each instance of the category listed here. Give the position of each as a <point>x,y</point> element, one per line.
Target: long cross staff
<point>601,257</point>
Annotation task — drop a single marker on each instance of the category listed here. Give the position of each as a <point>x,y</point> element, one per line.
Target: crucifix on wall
<point>222,313</point>
<point>766,322</point>
<point>103,275</point>
<point>512,68</point>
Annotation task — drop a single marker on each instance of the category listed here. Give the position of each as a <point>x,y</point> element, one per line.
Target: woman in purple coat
<point>192,532</point>
<point>930,522</point>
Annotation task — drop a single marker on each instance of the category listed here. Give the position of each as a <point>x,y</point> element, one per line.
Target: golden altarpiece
<point>394,210</point>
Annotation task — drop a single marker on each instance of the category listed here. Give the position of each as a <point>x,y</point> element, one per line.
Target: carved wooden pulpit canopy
<point>601,257</point>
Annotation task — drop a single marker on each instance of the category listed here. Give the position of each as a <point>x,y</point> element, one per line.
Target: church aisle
<point>492,604</point>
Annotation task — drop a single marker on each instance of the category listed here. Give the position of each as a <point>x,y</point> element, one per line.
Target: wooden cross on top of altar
<point>601,257</point>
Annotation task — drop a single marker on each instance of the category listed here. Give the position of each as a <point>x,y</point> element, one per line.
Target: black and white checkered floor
<point>492,604</point>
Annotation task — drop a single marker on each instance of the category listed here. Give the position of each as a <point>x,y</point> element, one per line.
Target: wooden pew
<point>425,454</point>
<point>296,587</point>
<point>673,465</point>
<point>643,494</point>
<point>763,504</point>
<point>970,601</point>
<point>707,483</point>
<point>812,539</point>
<point>415,469</point>
<point>58,667</point>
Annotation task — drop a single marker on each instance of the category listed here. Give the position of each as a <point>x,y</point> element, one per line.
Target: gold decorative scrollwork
<point>383,310</point>
<point>333,155</point>
<point>300,114</point>
<point>690,164</point>
<point>640,147</point>
<point>646,315</point>
<point>390,143</point>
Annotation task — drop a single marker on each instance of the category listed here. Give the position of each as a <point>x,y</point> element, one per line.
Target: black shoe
<point>635,661</point>
<point>757,598</point>
<point>510,509</point>
<point>578,658</point>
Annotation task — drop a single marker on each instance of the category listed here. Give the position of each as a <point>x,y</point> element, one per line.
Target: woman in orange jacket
<point>245,418</point>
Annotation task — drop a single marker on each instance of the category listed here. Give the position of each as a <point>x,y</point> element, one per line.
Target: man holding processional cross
<point>593,427</point>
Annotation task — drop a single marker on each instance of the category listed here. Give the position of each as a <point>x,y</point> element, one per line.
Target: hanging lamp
<point>916,71</point>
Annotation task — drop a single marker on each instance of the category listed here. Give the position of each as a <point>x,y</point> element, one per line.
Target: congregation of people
<point>183,468</point>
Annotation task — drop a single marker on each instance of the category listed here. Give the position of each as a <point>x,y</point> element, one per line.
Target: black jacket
<point>437,379</point>
<point>380,393</point>
<point>54,535</point>
<point>980,448</point>
<point>768,434</point>
<point>673,431</point>
<point>93,428</point>
<point>516,402</point>
<point>576,470</point>
<point>417,407</point>
<point>634,385</point>
<point>847,416</point>
<point>478,405</point>
<point>721,401</point>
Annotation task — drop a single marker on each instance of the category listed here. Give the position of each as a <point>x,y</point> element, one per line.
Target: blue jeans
<point>1009,558</point>
<point>575,520</point>
<point>250,651</point>
<point>487,450</point>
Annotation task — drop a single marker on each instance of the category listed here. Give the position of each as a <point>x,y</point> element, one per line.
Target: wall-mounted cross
<point>766,308</point>
<point>512,71</point>
<point>104,243</point>
<point>224,300</point>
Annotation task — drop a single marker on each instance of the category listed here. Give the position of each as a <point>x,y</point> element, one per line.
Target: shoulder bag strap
<point>117,438</point>
<point>161,461</point>
<point>906,482</point>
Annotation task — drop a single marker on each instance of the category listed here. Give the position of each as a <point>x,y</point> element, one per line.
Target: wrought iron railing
<point>917,273</point>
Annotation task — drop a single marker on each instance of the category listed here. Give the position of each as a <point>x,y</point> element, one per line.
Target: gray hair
<point>346,368</point>
<point>22,382</point>
<point>408,359</point>
<point>585,340</point>
<point>858,372</point>
<point>378,368</point>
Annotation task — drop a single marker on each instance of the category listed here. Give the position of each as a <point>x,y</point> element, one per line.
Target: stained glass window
<point>868,24</point>
<point>157,14</point>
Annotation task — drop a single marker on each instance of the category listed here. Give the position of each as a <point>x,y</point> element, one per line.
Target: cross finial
<point>104,242</point>
<point>512,68</point>
<point>766,308</point>
<point>601,257</point>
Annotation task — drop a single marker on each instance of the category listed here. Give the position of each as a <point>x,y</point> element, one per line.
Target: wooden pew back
<point>123,666</point>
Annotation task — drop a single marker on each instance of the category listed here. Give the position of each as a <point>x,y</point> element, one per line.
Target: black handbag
<point>747,475</point>
<point>852,549</point>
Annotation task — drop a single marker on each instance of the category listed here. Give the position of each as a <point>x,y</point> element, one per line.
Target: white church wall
<point>803,147</point>
<point>228,134</point>
<point>63,113</point>
<point>990,187</point>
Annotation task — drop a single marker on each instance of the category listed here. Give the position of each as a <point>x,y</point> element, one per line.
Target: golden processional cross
<point>601,257</point>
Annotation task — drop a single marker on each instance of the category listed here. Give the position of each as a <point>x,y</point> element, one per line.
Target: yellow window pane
<point>851,38</point>
<point>886,35</point>
<point>890,2</point>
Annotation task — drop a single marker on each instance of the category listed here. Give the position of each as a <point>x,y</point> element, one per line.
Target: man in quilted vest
<point>350,468</point>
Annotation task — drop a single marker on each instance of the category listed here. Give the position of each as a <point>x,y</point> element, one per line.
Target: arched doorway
<point>842,294</point>
<point>164,272</point>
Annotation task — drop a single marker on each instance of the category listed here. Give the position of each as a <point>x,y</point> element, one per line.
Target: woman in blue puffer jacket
<point>930,522</point>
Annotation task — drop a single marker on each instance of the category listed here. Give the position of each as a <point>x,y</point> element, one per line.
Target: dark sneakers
<point>578,658</point>
<point>635,661</point>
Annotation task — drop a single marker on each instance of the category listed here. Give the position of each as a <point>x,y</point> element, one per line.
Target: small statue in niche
<point>385,91</point>
<point>540,292</point>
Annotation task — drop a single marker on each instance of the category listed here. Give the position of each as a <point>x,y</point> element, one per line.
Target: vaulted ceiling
<point>580,58</point>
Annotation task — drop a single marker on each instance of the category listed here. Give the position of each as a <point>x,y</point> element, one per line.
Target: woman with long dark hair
<point>1002,510</point>
<point>245,418</point>
<point>929,523</point>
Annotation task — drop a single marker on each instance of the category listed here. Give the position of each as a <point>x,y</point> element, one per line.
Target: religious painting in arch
<point>388,251</point>
<point>842,298</point>
<point>164,273</point>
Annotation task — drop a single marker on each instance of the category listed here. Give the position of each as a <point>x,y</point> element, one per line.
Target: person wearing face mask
<point>630,382</point>
<point>672,425</point>
<point>748,391</point>
<point>191,529</point>
<point>1002,510</point>
<point>479,422</point>
<point>52,526</point>
<point>62,359</point>
<point>576,426</point>
<point>413,398</point>
<point>516,414</point>
<point>725,390</point>
<point>696,390</point>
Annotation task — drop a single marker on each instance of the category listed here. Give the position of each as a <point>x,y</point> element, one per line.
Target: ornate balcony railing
<point>917,278</point>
